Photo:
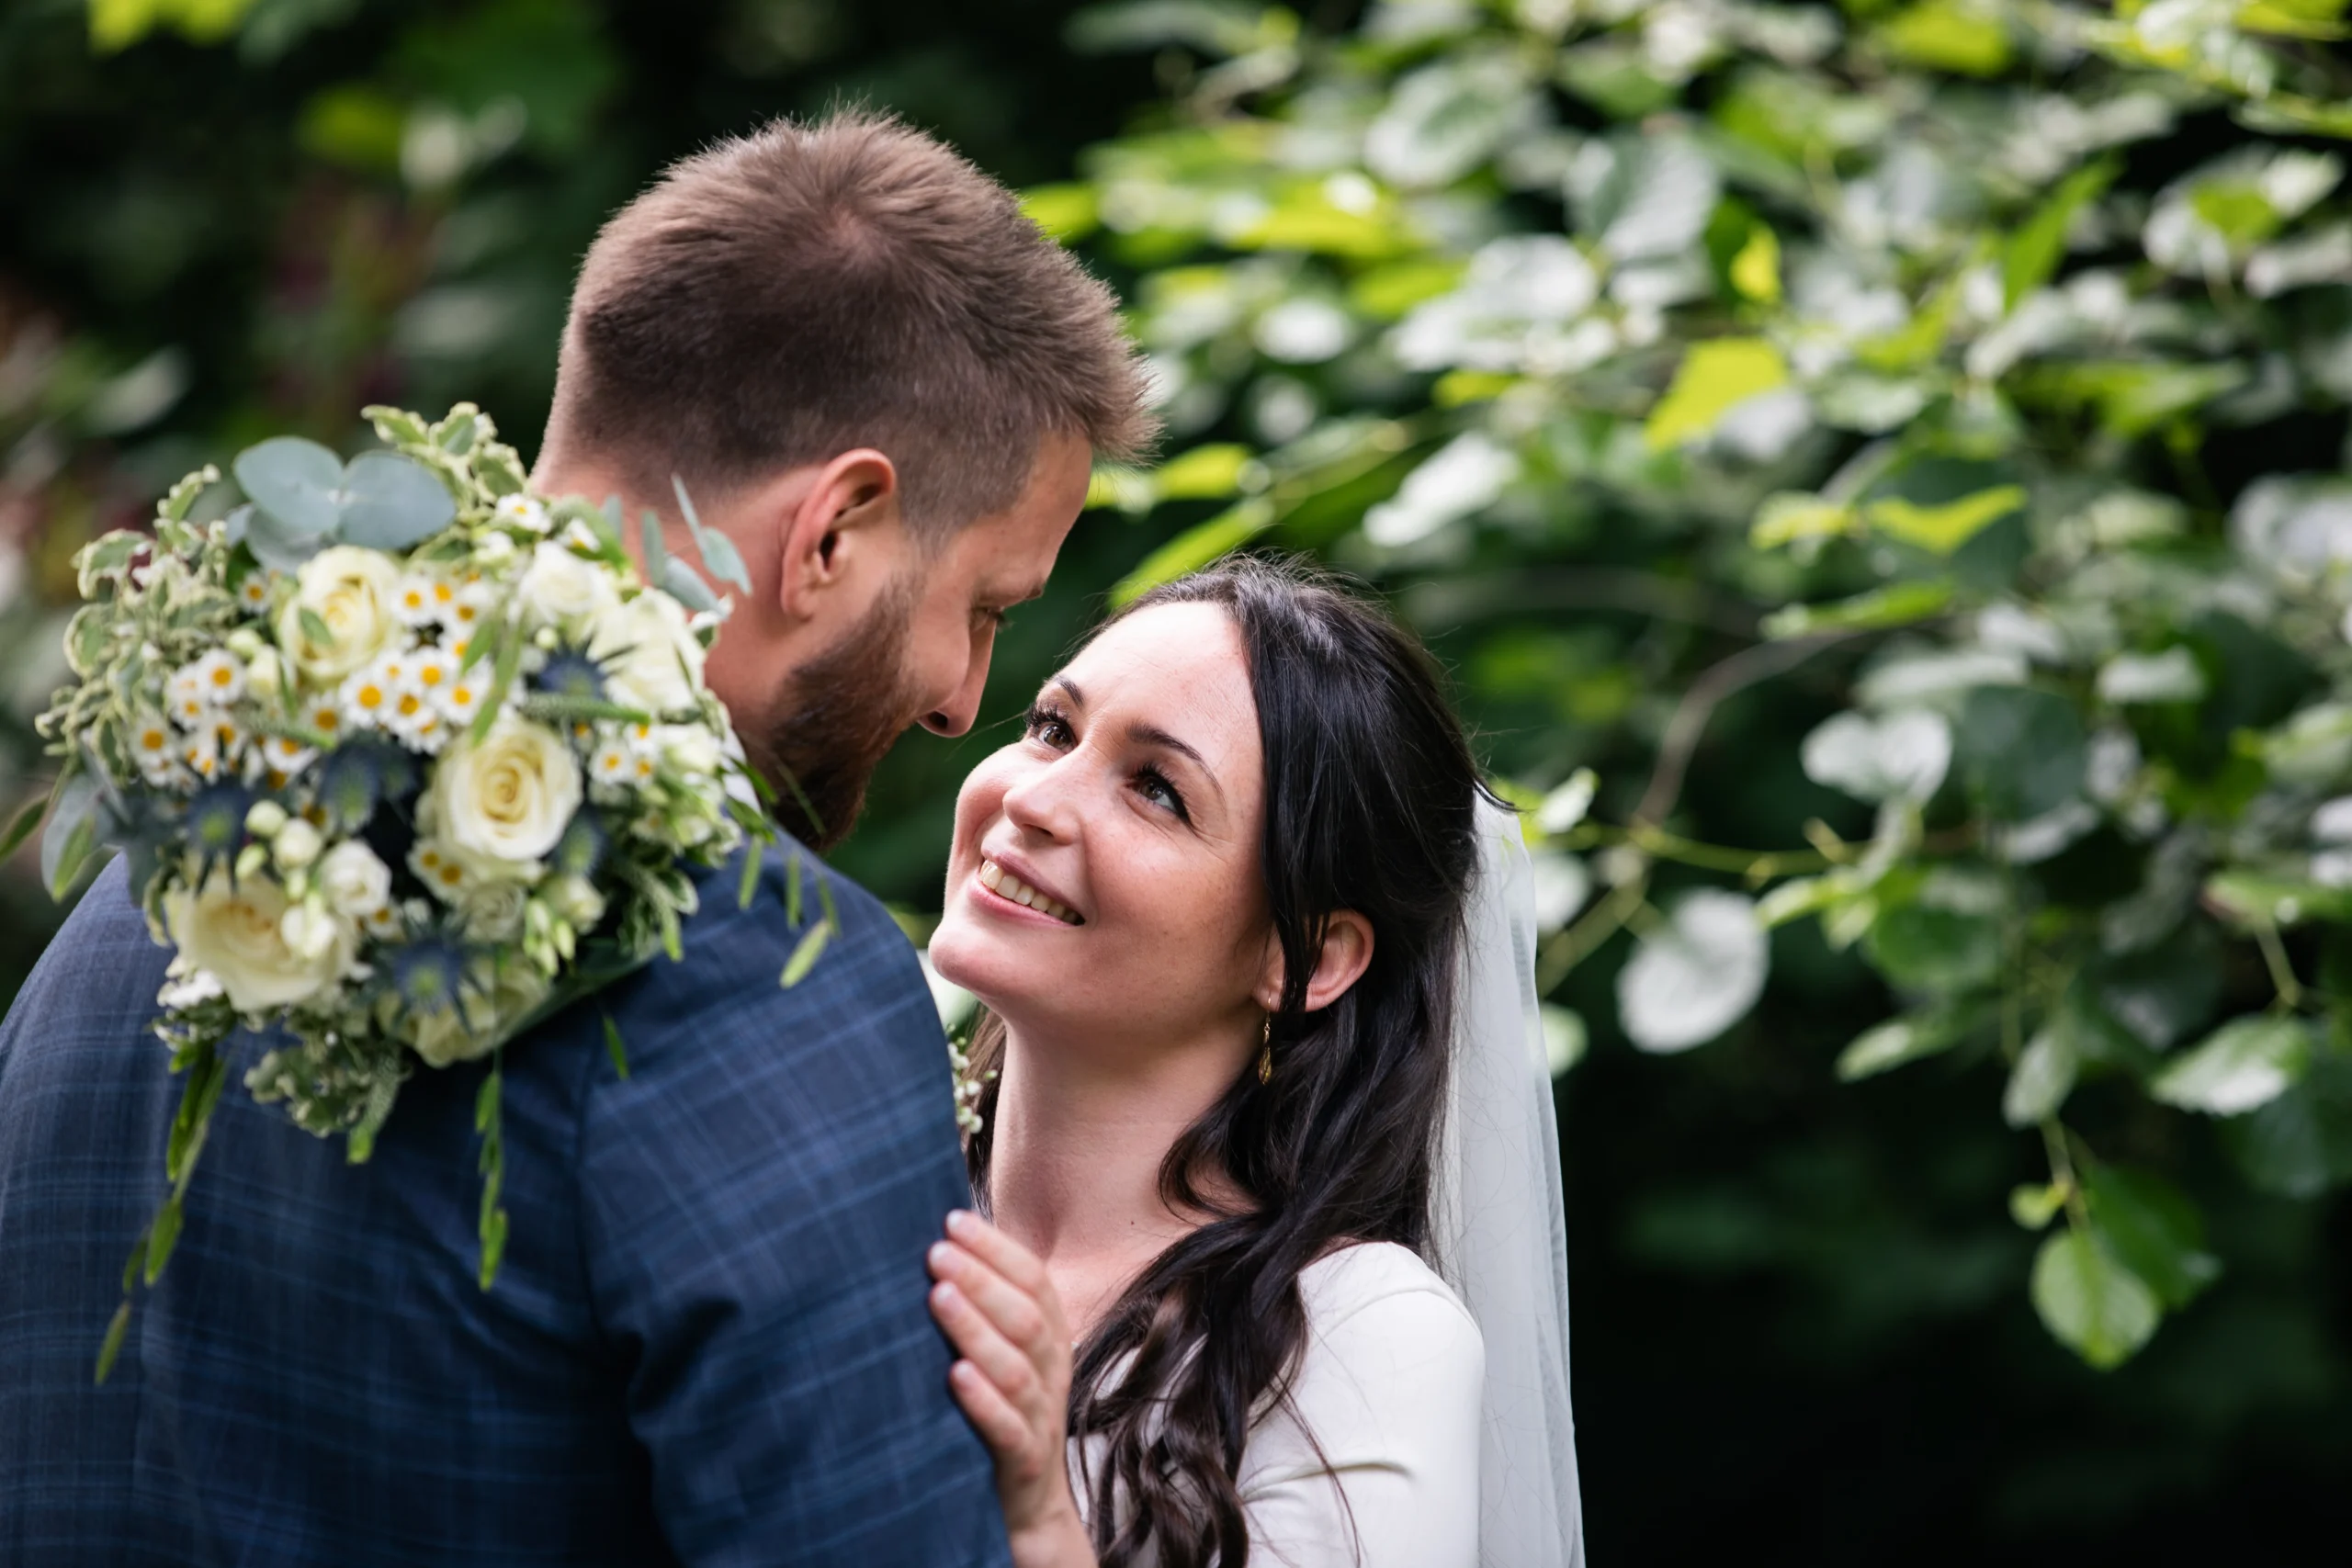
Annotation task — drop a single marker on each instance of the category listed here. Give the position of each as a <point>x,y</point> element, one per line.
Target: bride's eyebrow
<point>1149,735</point>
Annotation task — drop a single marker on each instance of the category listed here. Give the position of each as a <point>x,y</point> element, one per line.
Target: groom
<point>708,1343</point>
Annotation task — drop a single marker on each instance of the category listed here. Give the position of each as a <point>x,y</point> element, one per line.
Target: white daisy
<point>428,672</point>
<point>414,722</point>
<point>610,769</point>
<point>284,757</point>
<point>522,511</point>
<point>365,701</point>
<point>155,747</point>
<point>254,592</point>
<point>440,871</point>
<point>199,753</point>
<point>414,601</point>
<point>459,697</point>
<point>468,603</point>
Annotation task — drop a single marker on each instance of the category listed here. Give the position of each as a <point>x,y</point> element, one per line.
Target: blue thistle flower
<point>359,775</point>
<point>428,977</point>
<point>581,849</point>
<point>216,825</point>
<point>571,674</point>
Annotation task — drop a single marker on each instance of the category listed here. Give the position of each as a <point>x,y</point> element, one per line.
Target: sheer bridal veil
<point>1501,1228</point>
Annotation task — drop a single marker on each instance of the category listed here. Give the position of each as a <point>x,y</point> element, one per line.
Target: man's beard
<point>854,705</point>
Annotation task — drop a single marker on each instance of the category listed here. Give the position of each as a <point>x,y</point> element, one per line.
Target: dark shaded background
<point>1798,1330</point>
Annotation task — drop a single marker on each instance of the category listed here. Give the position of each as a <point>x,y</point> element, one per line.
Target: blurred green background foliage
<point>1877,474</point>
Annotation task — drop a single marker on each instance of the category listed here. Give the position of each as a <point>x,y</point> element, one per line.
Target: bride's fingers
<point>1006,1365</point>
<point>1000,1252</point>
<point>1002,1426</point>
<point>1018,1313</point>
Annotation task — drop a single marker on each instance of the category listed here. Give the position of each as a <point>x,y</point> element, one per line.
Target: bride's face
<point>1105,881</point>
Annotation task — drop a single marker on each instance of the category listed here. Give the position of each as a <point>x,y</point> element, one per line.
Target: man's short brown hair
<point>813,287</point>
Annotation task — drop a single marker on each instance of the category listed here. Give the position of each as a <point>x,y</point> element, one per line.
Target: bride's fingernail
<point>961,1222</point>
<point>940,1254</point>
<point>944,1293</point>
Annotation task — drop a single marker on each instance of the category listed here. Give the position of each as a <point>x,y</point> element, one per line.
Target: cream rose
<point>355,883</point>
<point>559,589</point>
<point>350,589</point>
<point>510,797</point>
<point>651,660</point>
<point>237,936</point>
<point>492,910</point>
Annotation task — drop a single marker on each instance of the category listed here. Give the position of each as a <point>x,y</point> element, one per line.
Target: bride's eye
<point>1154,786</point>
<point>1048,724</point>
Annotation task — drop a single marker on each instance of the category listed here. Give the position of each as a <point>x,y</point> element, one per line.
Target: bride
<point>1274,1274</point>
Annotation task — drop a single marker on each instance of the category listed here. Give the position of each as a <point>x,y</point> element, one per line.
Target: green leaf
<point>1950,35</point>
<point>1942,529</point>
<point>391,502</point>
<point>1896,605</point>
<point>1715,378</point>
<point>116,1330</point>
<point>2021,749</point>
<point>810,947</point>
<point>2033,1207</point>
<point>2090,1302</point>
<point>22,827</point>
<point>2044,1075</point>
<point>792,890</point>
<point>2240,1066</point>
<point>1755,271</point>
<point>1205,473</point>
<point>483,644</point>
<point>296,483</point>
<point>71,833</point>
<point>717,552</point>
<point>163,1237</point>
<point>1789,516</point>
<point>314,627</point>
<point>502,680</point>
<point>613,1047</point>
<point>649,529</point>
<point>2154,1230</point>
<point>684,584</point>
<point>2031,257</point>
<point>1196,547</point>
<point>749,887</point>
<point>1066,212</point>
<point>1898,1042</point>
<point>1919,947</point>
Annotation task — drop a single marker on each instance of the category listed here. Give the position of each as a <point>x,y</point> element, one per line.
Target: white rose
<point>236,934</point>
<point>493,1004</point>
<point>492,910</point>
<point>510,797</point>
<point>356,884</point>
<point>351,591</point>
<point>559,589</point>
<point>652,659</point>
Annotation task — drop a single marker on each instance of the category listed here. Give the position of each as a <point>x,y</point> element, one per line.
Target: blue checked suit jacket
<point>708,1343</point>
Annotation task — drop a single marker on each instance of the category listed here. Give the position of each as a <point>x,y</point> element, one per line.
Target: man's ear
<point>1347,954</point>
<point>848,512</point>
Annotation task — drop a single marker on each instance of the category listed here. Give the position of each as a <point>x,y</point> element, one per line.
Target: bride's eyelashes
<point>1049,726</point>
<point>1158,788</point>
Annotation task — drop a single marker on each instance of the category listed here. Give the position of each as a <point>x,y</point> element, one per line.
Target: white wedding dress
<point>1390,1386</point>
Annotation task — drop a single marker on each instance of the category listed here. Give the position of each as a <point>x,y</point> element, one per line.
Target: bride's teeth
<point>1004,884</point>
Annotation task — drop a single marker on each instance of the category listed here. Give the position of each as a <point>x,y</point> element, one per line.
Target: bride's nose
<point>1044,800</point>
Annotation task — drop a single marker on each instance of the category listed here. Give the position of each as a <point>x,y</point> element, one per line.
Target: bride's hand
<point>998,1305</point>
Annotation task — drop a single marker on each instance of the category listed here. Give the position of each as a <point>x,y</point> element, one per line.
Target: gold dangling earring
<point>1266,1050</point>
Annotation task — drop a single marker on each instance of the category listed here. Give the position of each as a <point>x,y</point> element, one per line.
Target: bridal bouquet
<point>402,758</point>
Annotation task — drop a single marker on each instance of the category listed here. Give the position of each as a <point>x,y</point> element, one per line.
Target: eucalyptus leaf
<point>1696,975</point>
<point>391,502</point>
<point>72,832</point>
<point>297,482</point>
<point>719,552</point>
<point>686,585</point>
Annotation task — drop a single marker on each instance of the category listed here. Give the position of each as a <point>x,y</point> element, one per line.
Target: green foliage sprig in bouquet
<point>402,758</point>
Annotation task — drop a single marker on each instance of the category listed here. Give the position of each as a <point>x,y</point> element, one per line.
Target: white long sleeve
<point>1390,1390</point>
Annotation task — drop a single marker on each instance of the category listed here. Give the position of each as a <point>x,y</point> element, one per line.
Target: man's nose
<point>959,711</point>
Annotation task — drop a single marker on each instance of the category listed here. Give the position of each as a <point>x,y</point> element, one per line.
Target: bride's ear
<point>1347,953</point>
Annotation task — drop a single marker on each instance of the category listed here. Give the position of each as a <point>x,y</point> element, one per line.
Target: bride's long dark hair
<point>1371,801</point>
